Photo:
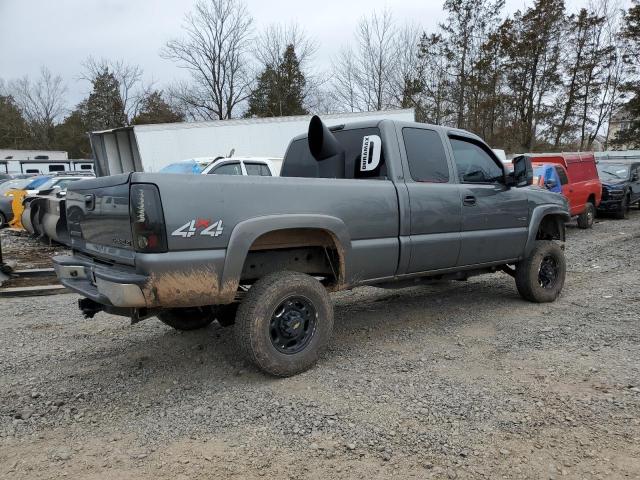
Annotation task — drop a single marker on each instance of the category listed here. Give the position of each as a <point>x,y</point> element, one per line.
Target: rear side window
<point>426,156</point>
<point>257,169</point>
<point>563,176</point>
<point>474,164</point>
<point>299,162</point>
<point>227,169</point>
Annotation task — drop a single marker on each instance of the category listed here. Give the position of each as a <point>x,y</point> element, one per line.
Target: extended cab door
<point>435,209</point>
<point>494,218</point>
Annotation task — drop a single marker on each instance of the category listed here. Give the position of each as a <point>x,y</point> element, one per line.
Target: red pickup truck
<point>579,182</point>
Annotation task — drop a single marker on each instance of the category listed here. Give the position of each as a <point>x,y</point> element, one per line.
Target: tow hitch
<point>89,309</point>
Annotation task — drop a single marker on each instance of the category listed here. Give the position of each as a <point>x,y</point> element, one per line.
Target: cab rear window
<point>299,162</point>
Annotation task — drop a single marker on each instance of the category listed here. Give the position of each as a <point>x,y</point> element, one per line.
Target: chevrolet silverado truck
<point>381,203</point>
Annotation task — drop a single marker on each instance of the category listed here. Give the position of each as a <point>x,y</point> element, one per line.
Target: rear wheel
<point>284,323</point>
<point>540,277</point>
<point>185,319</point>
<point>585,219</point>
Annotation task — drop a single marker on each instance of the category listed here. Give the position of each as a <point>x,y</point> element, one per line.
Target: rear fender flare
<point>538,214</point>
<point>248,231</point>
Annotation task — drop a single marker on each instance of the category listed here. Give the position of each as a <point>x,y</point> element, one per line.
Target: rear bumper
<point>164,280</point>
<point>106,285</point>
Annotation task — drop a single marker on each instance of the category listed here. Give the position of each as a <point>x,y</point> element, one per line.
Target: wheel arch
<point>548,221</point>
<point>260,229</point>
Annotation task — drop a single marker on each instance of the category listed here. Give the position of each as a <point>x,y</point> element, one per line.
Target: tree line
<point>543,78</point>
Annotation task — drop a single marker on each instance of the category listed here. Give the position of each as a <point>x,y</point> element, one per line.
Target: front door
<point>494,218</point>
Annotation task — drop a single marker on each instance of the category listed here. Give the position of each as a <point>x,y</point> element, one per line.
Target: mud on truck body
<point>381,203</point>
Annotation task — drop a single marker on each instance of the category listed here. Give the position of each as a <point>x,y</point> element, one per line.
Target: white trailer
<point>149,148</point>
<point>40,162</point>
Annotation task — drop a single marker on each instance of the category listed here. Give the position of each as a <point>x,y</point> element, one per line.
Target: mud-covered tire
<point>533,274</point>
<point>280,309</point>
<point>186,319</point>
<point>226,314</point>
<point>623,212</point>
<point>585,219</point>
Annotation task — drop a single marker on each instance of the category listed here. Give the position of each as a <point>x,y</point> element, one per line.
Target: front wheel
<point>540,277</point>
<point>3,220</point>
<point>585,219</point>
<point>624,209</point>
<point>185,319</point>
<point>284,323</point>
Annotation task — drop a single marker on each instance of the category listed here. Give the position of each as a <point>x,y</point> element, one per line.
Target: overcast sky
<point>61,33</point>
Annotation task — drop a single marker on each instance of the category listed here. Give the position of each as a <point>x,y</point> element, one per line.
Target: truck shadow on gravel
<point>363,317</point>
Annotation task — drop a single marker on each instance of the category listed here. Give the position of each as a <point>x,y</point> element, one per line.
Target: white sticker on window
<point>371,150</point>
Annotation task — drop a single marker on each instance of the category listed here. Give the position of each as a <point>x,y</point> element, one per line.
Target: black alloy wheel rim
<point>293,324</point>
<point>548,273</point>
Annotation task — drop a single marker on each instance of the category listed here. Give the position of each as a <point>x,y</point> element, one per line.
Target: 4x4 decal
<point>209,228</point>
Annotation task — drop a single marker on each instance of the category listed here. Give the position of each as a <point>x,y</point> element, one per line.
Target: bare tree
<point>364,75</point>
<point>42,104</point>
<point>132,88</point>
<point>214,52</point>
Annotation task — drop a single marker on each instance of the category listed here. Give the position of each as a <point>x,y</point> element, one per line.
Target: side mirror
<point>522,171</point>
<point>550,183</point>
<point>634,177</point>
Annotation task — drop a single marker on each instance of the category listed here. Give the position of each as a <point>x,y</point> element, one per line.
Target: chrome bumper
<point>104,285</point>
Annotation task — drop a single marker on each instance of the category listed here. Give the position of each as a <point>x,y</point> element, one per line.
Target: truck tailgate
<point>98,217</point>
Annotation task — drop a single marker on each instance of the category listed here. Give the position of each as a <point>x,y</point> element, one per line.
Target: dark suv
<point>620,186</point>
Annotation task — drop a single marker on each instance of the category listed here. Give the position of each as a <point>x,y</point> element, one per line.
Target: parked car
<point>192,166</point>
<point>6,201</point>
<point>380,203</point>
<point>620,186</point>
<point>266,167</point>
<point>43,211</point>
<point>6,211</point>
<point>58,182</point>
<point>252,166</point>
<point>579,182</point>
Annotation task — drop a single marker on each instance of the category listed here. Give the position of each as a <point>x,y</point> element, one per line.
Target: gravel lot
<point>459,380</point>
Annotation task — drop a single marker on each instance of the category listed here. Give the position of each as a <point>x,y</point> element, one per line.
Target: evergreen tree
<point>14,130</point>
<point>72,135</point>
<point>154,109</point>
<point>532,43</point>
<point>280,89</point>
<point>630,137</point>
<point>104,107</point>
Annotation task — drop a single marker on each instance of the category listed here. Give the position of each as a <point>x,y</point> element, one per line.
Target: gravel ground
<point>459,380</point>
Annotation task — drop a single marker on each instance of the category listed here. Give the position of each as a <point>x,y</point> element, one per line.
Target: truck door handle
<point>469,200</point>
<point>90,202</point>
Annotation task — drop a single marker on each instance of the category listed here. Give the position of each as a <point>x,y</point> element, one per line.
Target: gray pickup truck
<point>379,203</point>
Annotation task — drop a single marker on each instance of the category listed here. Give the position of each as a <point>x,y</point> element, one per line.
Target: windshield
<point>190,167</point>
<point>11,184</point>
<point>36,182</point>
<point>58,182</point>
<point>613,171</point>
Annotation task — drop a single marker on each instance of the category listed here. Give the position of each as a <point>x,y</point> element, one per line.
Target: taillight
<point>147,219</point>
